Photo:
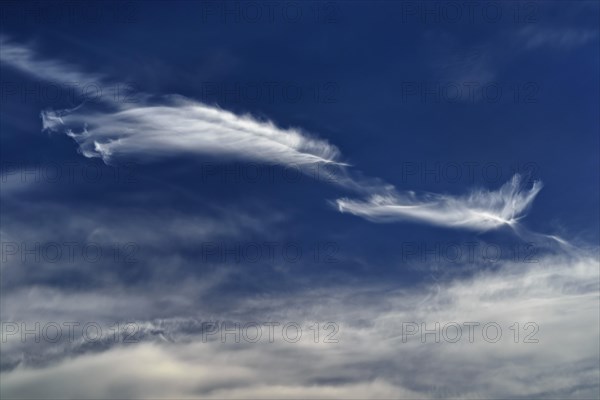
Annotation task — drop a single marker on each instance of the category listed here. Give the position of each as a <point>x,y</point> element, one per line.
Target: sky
<point>319,199</point>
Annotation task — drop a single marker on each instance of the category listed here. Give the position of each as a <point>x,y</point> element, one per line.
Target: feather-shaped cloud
<point>479,210</point>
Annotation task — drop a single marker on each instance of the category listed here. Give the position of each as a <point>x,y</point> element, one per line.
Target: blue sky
<point>370,165</point>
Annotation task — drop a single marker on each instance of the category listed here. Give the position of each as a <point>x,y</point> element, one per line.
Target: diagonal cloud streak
<point>26,60</point>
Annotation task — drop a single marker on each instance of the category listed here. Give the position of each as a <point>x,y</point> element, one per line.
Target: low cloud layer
<point>374,356</point>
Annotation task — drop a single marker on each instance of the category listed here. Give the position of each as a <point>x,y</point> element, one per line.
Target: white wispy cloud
<point>182,126</point>
<point>25,59</point>
<point>479,210</point>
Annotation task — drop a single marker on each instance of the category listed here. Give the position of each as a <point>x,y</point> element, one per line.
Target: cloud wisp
<point>182,126</point>
<point>26,60</point>
<point>480,210</point>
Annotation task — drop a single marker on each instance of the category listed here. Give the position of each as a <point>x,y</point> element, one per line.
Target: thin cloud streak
<point>480,210</point>
<point>26,60</point>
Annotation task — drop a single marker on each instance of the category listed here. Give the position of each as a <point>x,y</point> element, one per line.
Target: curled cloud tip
<point>51,121</point>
